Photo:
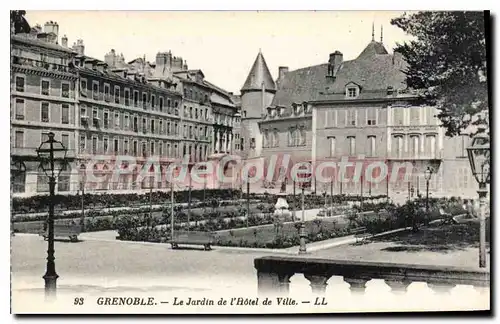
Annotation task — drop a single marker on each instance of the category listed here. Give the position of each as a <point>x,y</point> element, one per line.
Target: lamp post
<point>479,158</point>
<point>52,156</point>
<point>427,175</point>
<point>302,230</point>
<point>83,179</point>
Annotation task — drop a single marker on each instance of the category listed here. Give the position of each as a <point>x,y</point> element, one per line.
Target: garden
<point>224,213</point>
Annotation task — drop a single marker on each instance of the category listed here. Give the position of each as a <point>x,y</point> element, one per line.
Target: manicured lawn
<point>267,233</point>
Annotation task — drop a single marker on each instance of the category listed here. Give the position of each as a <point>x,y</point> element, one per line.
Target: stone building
<point>105,110</point>
<point>358,109</point>
<point>43,100</point>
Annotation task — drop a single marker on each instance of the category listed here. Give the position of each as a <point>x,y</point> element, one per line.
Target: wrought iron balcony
<point>274,273</point>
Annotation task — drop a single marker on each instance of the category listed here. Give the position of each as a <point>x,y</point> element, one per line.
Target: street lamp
<point>52,156</point>
<point>302,230</point>
<point>479,158</point>
<point>427,176</point>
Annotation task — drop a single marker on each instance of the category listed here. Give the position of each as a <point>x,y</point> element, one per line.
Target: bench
<point>193,237</point>
<point>64,231</point>
<point>360,234</point>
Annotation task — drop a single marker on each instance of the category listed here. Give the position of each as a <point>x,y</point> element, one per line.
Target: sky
<point>224,44</point>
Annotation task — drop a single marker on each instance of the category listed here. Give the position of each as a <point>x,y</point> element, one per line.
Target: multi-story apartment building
<point>361,110</point>
<point>124,111</point>
<point>197,118</point>
<point>105,109</point>
<point>43,100</point>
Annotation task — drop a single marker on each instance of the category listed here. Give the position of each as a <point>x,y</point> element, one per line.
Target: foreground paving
<point>96,268</point>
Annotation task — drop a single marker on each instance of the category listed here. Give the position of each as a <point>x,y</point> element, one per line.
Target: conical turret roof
<point>259,74</point>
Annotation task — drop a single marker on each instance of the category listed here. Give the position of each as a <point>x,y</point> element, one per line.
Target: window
<point>415,116</point>
<point>332,146</point>
<point>463,144</point>
<point>83,86</point>
<point>19,84</point>
<point>19,109</point>
<point>144,148</point>
<point>242,143</point>
<point>95,90</point>
<point>65,140</point>
<point>176,129</point>
<point>351,117</point>
<point>126,122</point>
<point>144,125</point>
<point>134,148</point>
<point>161,148</point>
<point>82,143</point>
<point>430,145</point>
<point>19,139</point>
<point>398,116</point>
<point>115,146</point>
<point>136,126</point>
<point>136,98</point>
<point>105,146</point>
<point>45,112</point>
<point>351,140</point>
<point>65,90</point>
<point>414,145</point>
<point>117,120</point>
<point>397,144</point>
<point>152,126</point>
<point>106,92</point>
<point>160,126</point>
<point>430,116</point>
<point>196,113</point>
<point>117,94</point>
<point>371,116</point>
<point>125,146</point>
<point>65,113</point>
<point>153,101</point>
<point>18,177</point>
<point>352,92</point>
<point>190,112</point>
<point>160,103</point>
<point>152,148</point>
<point>265,138</point>
<point>45,87</point>
<point>144,100</point>
<point>127,97</point>
<point>94,145</point>
<point>371,145</point>
<point>106,119</point>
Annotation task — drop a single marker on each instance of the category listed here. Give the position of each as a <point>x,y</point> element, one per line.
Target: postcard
<point>249,162</point>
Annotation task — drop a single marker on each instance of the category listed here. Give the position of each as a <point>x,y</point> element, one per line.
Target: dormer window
<point>282,111</point>
<point>273,112</point>
<point>352,92</point>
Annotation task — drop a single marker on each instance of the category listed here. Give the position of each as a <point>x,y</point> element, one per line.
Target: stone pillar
<point>223,144</point>
<point>357,285</point>
<point>216,132</point>
<point>318,283</point>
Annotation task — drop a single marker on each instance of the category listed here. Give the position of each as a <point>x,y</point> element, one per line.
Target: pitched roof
<point>259,73</point>
<point>373,70</point>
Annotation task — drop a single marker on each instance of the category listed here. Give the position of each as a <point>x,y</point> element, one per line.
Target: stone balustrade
<point>274,273</point>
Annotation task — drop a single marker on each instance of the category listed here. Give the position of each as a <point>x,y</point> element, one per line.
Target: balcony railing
<point>17,60</point>
<point>437,155</point>
<point>274,273</point>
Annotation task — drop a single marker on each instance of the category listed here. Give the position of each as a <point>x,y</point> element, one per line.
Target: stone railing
<point>274,273</point>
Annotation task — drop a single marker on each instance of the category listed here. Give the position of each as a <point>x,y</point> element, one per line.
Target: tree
<point>18,23</point>
<point>447,63</point>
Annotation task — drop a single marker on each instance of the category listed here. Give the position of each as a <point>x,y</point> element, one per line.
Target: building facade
<point>108,110</point>
<point>360,110</point>
<point>43,100</point>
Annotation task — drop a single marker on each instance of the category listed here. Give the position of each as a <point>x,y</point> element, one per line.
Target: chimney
<point>79,47</point>
<point>334,63</point>
<point>110,58</point>
<point>52,27</point>
<point>282,70</point>
<point>64,41</point>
